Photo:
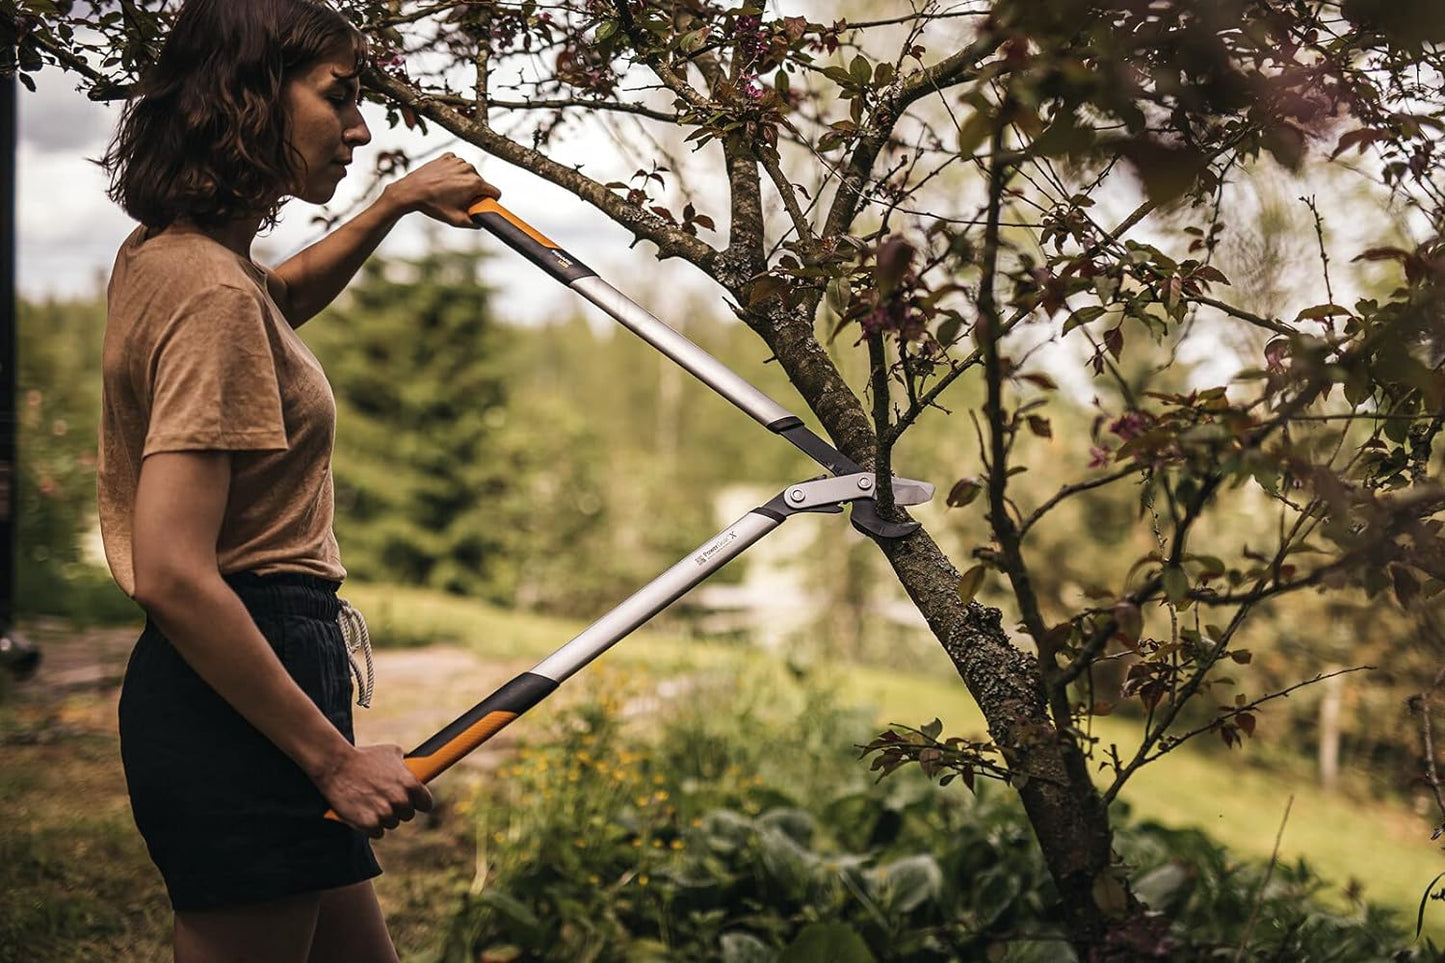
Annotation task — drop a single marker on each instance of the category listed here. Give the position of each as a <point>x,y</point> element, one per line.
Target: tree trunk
<point>1068,816</point>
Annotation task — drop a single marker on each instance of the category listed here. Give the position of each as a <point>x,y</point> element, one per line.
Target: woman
<point>216,491</point>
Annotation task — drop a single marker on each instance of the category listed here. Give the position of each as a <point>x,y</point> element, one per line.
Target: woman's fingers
<point>446,186</point>
<point>374,791</point>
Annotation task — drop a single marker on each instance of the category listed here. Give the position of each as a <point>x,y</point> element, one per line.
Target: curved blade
<point>909,491</point>
<point>867,520</point>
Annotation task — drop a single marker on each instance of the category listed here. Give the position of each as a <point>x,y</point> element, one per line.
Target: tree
<point>929,184</point>
<point>417,366</point>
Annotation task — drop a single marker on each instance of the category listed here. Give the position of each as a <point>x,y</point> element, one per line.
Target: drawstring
<point>353,630</point>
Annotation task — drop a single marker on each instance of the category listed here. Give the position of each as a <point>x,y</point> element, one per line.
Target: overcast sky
<point>68,230</point>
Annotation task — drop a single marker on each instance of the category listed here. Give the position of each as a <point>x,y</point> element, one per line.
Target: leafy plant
<point>711,839</point>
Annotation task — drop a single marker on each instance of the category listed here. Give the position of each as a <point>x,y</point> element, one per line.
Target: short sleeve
<point>213,383</point>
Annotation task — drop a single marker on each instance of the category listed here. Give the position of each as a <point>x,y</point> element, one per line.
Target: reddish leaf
<point>1130,621</point>
<point>1382,254</point>
<point>1167,172</point>
<point>1114,341</point>
<point>1406,585</point>
<point>894,258</point>
<point>1039,425</point>
<point>1358,139</point>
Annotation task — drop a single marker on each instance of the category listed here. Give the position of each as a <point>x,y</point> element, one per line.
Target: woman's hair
<point>206,138</point>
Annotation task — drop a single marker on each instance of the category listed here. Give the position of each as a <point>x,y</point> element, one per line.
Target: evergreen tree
<point>417,366</point>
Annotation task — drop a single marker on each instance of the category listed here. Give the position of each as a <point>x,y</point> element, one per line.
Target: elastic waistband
<point>287,593</point>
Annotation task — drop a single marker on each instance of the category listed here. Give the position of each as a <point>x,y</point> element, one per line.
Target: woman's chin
<point>320,192</point>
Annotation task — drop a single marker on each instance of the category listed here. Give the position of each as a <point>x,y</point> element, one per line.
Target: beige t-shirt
<point>198,357</point>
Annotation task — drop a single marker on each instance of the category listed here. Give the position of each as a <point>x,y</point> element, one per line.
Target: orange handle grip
<point>527,241</point>
<point>474,727</point>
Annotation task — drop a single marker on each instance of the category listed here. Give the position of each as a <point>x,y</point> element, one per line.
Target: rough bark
<point>1066,812</point>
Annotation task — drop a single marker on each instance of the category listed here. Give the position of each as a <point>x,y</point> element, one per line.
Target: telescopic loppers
<point>848,483</point>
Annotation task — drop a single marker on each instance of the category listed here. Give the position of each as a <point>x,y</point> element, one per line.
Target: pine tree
<point>417,365</point>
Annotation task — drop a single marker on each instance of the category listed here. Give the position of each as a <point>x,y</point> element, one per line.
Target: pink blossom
<point>1131,424</point>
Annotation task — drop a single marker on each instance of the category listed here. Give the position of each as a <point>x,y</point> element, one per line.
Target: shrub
<point>745,830</point>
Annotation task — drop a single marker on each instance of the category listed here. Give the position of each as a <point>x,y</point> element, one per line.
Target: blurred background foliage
<point>555,468</point>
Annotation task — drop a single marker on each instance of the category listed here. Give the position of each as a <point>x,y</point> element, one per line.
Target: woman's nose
<point>357,133</point>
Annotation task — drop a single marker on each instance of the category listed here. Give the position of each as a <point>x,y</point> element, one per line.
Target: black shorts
<point>228,818</point>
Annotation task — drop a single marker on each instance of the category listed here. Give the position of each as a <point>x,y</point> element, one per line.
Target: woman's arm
<point>179,504</point>
<point>442,189</point>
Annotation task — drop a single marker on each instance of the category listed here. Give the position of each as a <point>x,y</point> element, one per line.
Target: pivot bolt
<point>796,495</point>
<point>865,483</point>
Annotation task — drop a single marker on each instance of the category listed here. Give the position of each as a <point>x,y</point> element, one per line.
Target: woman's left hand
<point>442,189</point>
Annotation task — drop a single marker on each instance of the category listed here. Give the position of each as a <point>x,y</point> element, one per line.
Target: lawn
<point>1385,847</point>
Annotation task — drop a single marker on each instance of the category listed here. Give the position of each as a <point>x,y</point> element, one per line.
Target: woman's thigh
<point>350,928</point>
<point>277,931</point>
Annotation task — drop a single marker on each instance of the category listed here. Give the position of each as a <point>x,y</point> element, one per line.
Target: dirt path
<point>62,783</point>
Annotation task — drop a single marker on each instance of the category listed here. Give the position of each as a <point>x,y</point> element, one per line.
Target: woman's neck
<point>236,234</point>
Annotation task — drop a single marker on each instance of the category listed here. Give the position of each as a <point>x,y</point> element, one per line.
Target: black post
<point>16,653</point>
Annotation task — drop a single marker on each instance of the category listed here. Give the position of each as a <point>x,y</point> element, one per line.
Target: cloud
<point>57,118</point>
<point>68,230</point>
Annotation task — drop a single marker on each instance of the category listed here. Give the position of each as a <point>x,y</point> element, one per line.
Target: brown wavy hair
<point>205,138</point>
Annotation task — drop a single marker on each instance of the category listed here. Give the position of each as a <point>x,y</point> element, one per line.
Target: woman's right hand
<point>372,790</point>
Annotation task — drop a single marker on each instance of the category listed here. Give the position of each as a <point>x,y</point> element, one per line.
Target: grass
<point>1382,846</point>
<point>75,884</point>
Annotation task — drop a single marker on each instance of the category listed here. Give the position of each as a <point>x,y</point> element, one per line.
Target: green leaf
<point>1321,311</point>
<point>744,948</point>
<point>827,943</point>
<point>1425,898</point>
<point>859,69</point>
<point>910,882</point>
<point>932,729</point>
<point>970,583</point>
<point>605,31</point>
<point>974,132</point>
<point>1083,316</point>
<point>1176,583</point>
<point>1110,895</point>
<point>964,492</point>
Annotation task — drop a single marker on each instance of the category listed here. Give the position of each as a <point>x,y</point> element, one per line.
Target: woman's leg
<point>350,928</point>
<point>278,931</point>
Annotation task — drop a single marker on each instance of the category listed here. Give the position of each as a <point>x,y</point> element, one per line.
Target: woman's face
<point>326,126</point>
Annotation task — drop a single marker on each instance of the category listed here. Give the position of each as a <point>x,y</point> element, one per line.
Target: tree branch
<point>671,241</point>
<point>1269,324</point>
<point>1069,490</point>
<point>611,106</point>
<point>891,104</point>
